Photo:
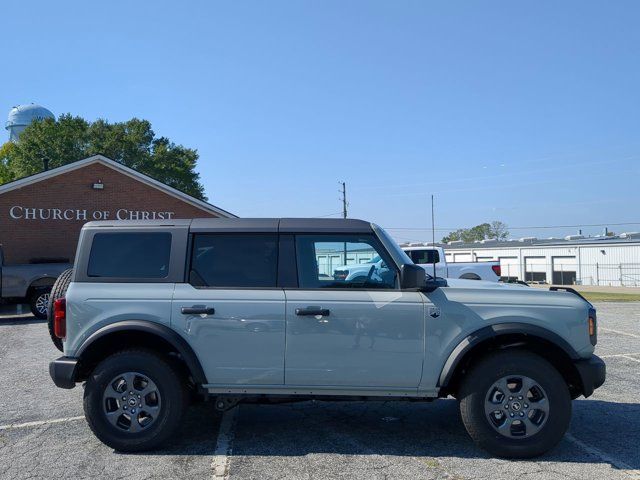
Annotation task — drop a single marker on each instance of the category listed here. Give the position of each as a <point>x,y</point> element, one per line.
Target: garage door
<point>564,270</point>
<point>462,257</point>
<point>535,269</point>
<point>327,263</point>
<point>510,269</point>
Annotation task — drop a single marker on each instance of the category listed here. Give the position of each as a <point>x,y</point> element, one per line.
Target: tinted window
<point>130,255</point>
<point>347,261</point>
<point>424,256</point>
<point>228,260</point>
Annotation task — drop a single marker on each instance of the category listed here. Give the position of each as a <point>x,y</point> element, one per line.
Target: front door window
<point>345,262</point>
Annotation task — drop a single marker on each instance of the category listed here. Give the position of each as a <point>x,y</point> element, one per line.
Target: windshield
<point>392,247</point>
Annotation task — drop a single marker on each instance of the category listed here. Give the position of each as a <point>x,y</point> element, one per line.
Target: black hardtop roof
<point>265,225</point>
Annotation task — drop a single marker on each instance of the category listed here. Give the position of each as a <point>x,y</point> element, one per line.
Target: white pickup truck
<point>426,256</point>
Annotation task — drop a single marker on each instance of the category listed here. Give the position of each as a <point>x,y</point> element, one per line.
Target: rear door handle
<point>312,311</point>
<point>198,310</point>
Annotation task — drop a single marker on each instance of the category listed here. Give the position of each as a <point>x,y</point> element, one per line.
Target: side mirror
<point>412,277</point>
<point>434,284</point>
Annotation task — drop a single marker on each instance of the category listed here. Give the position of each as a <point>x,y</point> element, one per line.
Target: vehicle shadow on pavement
<point>198,434</point>
<point>610,427</point>
<point>6,321</point>
<point>417,429</point>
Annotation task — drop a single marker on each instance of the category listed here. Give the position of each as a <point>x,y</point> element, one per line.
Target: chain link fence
<point>599,274</point>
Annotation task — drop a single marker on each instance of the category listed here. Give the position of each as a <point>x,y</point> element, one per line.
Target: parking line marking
<point>619,355</point>
<point>630,358</point>
<point>224,445</point>
<point>619,332</point>
<point>626,469</point>
<point>13,426</point>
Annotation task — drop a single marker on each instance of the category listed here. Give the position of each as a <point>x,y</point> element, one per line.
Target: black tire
<point>476,387</point>
<point>59,290</point>
<point>173,400</point>
<point>38,302</point>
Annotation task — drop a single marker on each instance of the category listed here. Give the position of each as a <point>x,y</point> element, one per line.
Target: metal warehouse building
<point>574,260</point>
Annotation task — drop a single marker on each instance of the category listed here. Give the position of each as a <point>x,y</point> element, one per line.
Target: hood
<point>355,267</point>
<point>509,291</point>
<point>463,283</point>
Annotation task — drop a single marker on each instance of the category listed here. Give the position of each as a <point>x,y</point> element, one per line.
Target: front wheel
<point>134,400</point>
<point>515,404</point>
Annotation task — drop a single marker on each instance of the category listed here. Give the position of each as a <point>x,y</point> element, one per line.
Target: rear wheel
<point>134,400</point>
<point>39,302</point>
<point>59,290</point>
<point>515,404</point>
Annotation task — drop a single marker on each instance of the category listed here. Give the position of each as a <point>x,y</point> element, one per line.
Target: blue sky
<point>525,112</point>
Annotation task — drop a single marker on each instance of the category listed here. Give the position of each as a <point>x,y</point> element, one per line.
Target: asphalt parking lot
<point>43,433</point>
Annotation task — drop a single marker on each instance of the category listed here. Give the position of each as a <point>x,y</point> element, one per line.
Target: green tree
<point>5,153</point>
<point>132,143</point>
<point>495,229</point>
<point>498,230</point>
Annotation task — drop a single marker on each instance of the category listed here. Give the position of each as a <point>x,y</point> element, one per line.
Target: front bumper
<point>63,372</point>
<point>593,372</point>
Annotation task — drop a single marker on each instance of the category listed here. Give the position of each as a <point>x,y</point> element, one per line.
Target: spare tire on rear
<point>59,290</point>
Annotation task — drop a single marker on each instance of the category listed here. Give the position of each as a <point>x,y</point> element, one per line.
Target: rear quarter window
<point>424,256</point>
<point>130,255</point>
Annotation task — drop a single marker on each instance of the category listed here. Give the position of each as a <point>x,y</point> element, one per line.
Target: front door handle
<point>198,310</point>
<point>312,311</point>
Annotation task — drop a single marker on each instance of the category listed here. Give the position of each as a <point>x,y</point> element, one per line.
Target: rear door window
<point>234,260</point>
<point>424,256</point>
<point>130,255</point>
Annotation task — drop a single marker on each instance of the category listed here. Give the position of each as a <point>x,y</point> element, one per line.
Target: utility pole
<point>344,215</point>
<point>344,200</point>
<point>433,236</point>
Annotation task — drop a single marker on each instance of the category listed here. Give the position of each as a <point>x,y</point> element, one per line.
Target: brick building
<point>41,215</point>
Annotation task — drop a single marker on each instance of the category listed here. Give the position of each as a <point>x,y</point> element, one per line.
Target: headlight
<point>340,274</point>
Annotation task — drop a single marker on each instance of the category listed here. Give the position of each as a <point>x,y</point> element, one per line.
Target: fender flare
<point>494,331</point>
<point>44,279</point>
<point>153,328</point>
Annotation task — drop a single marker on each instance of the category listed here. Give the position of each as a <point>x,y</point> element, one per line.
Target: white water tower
<point>23,115</point>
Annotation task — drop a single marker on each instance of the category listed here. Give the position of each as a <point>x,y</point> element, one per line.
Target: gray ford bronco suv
<point>156,313</point>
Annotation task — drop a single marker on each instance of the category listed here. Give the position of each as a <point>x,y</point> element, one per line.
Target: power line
<point>448,229</point>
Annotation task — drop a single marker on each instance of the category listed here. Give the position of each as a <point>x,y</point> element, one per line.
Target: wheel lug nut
<point>526,405</point>
<point>521,414</point>
<point>520,397</point>
<point>138,396</point>
<point>130,393</point>
<point>510,398</point>
<point>124,399</point>
<point>125,407</point>
<point>511,414</point>
<point>140,405</point>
